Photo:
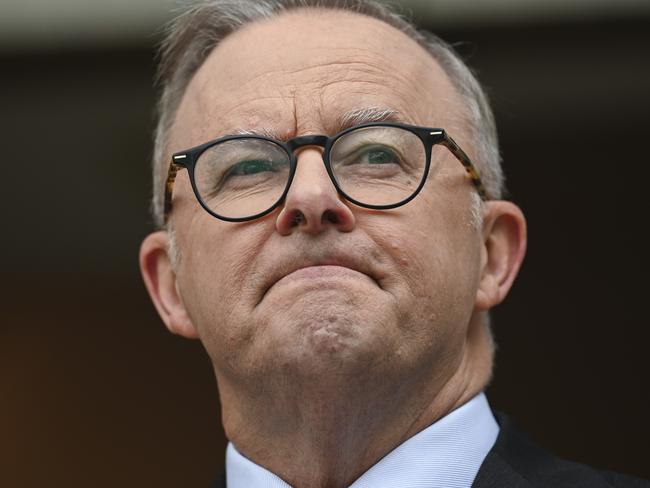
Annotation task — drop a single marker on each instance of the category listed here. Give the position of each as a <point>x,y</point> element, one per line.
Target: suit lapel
<point>497,470</point>
<point>515,461</point>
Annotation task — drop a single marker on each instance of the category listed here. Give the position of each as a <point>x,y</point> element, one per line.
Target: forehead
<point>297,73</point>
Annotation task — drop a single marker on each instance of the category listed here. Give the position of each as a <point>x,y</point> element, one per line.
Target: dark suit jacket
<point>516,462</point>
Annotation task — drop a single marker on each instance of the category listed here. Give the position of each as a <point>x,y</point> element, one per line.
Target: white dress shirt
<point>447,454</point>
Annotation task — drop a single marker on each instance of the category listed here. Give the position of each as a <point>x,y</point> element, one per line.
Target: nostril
<point>314,215</point>
<point>297,218</point>
<point>330,216</point>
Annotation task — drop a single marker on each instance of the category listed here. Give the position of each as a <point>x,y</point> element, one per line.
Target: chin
<point>329,342</point>
<point>331,335</point>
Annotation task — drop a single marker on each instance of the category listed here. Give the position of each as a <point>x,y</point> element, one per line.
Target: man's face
<point>345,290</point>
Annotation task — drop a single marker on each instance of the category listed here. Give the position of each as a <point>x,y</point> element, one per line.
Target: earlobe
<point>160,280</point>
<point>504,247</point>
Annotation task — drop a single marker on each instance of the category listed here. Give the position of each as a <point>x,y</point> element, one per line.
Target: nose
<point>312,204</point>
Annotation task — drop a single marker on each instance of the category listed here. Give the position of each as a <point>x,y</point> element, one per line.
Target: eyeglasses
<point>376,165</point>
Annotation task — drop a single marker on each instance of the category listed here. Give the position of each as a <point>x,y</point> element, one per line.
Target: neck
<point>333,429</point>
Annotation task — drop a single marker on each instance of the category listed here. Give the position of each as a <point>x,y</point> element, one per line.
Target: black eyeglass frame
<point>429,136</point>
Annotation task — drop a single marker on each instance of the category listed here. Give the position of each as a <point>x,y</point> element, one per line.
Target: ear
<point>504,247</point>
<point>160,280</point>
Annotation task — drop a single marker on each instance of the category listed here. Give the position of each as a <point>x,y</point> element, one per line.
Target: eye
<point>374,155</point>
<point>379,155</point>
<point>251,167</point>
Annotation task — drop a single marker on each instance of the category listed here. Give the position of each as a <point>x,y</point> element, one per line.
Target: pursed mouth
<point>318,272</point>
<point>321,271</point>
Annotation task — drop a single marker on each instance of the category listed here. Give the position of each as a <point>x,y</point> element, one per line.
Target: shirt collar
<point>447,454</point>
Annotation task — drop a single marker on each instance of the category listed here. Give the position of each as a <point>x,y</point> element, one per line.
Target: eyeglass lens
<point>240,178</point>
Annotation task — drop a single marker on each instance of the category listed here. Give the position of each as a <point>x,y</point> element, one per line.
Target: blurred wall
<point>94,391</point>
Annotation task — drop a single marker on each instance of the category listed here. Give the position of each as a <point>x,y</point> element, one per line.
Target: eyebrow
<point>344,121</point>
<point>368,115</point>
<point>264,132</point>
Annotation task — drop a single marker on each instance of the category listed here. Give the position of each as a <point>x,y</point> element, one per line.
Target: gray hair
<point>203,24</point>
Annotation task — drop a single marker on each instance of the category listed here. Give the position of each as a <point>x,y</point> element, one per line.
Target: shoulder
<point>624,481</point>
<point>515,461</point>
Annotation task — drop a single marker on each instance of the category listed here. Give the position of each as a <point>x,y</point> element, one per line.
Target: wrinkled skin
<point>337,336</point>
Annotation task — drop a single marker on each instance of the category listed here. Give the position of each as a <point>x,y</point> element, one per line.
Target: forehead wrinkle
<point>318,76</point>
<point>220,119</point>
<point>344,108</point>
<point>339,74</point>
<point>241,109</point>
<point>345,120</point>
<point>410,89</point>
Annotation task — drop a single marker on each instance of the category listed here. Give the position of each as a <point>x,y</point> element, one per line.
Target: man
<point>332,231</point>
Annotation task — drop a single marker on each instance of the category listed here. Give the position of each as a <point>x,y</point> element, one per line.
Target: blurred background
<point>95,392</point>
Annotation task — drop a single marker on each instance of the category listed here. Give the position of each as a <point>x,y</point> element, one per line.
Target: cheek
<point>424,252</point>
<point>436,258</point>
<point>215,275</point>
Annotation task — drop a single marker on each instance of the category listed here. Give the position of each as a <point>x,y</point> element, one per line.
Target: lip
<point>321,271</point>
<point>340,268</point>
